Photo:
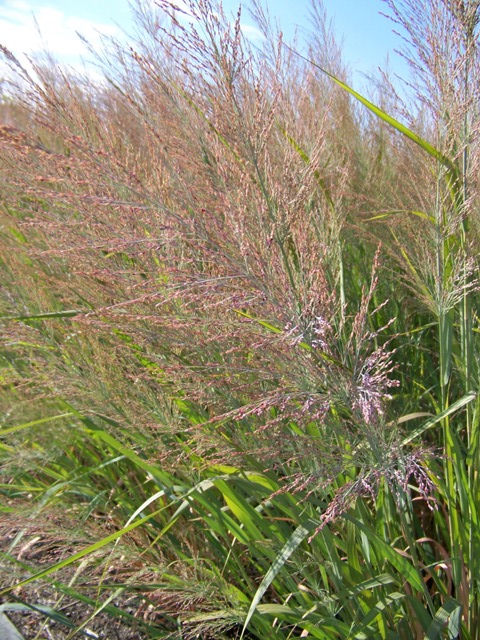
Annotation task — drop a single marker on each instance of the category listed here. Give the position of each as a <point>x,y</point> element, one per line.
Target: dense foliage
<point>239,346</point>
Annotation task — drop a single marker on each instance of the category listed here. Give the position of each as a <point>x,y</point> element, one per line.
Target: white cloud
<point>27,31</point>
<point>252,33</point>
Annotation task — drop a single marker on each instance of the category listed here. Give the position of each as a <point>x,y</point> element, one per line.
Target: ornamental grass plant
<point>239,352</point>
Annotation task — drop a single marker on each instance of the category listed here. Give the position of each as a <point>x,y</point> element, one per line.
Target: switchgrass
<point>239,357</point>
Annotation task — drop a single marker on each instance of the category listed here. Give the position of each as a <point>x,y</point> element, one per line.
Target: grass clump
<point>239,349</point>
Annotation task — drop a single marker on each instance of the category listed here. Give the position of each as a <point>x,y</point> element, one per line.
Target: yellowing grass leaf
<point>388,214</point>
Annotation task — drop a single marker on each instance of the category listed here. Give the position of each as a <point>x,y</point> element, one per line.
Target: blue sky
<point>367,36</point>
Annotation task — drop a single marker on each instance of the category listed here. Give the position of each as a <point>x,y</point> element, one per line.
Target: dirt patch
<point>54,607</point>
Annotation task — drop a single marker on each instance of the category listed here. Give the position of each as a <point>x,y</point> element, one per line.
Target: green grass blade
<point>34,423</point>
<point>382,605</point>
<point>444,615</point>
<point>26,607</point>
<point>68,590</point>
<point>406,570</point>
<point>274,329</point>
<point>296,538</point>
<point>84,552</point>
<point>440,416</point>
<point>398,126</point>
<point>113,596</point>
<point>306,159</point>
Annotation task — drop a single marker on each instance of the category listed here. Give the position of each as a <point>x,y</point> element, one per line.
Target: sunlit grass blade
<point>419,214</point>
<point>453,408</point>
<point>300,533</point>
<point>396,124</point>
<point>19,427</point>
